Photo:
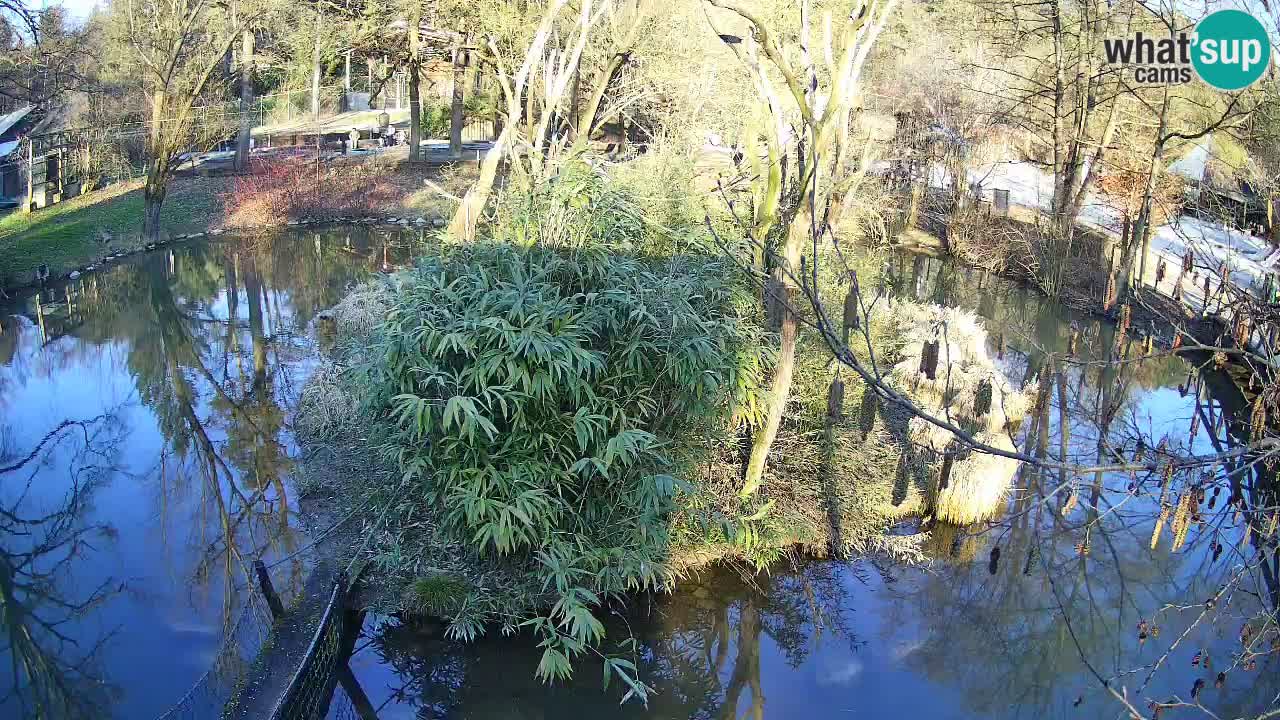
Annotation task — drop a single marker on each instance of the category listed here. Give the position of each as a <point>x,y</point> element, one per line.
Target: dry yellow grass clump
<point>968,390</point>
<point>328,405</point>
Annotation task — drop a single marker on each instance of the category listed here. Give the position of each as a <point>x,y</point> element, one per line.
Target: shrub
<point>437,116</point>
<point>435,120</point>
<point>294,188</point>
<point>576,207</point>
<point>538,398</point>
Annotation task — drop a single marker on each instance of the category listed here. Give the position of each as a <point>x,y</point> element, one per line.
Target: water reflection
<point>1084,592</point>
<point>708,652</point>
<point>126,545</point>
<point>40,545</point>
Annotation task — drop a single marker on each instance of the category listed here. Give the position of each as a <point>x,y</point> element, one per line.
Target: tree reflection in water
<point>700,648</point>
<point>205,348</point>
<point>1082,594</point>
<point>213,345</point>
<point>1031,634</point>
<point>54,671</point>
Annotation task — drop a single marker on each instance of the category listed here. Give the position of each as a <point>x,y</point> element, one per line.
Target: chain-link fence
<point>232,663</point>
<point>310,692</point>
<point>290,105</point>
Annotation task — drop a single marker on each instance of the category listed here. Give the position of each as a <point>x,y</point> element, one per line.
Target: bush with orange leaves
<point>278,191</point>
<point>1124,189</point>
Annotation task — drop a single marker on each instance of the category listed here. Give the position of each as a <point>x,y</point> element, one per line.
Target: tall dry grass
<point>978,483</point>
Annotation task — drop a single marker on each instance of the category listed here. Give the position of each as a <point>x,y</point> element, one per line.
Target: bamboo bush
<point>536,398</point>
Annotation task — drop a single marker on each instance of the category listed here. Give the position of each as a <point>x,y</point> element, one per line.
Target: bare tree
<point>54,673</point>
<point>42,56</point>
<point>784,214</point>
<point>176,49</point>
<point>531,111</point>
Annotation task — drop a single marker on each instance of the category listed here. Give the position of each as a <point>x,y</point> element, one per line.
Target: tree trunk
<point>160,153</point>
<point>587,122</point>
<point>466,217</point>
<point>780,386</point>
<point>243,142</point>
<point>315,69</point>
<point>779,391</point>
<point>415,114</point>
<point>153,197</point>
<point>498,116</point>
<point>415,93</point>
<point>455,104</point>
<point>1140,239</point>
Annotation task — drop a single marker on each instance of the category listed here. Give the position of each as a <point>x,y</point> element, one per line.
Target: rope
<point>328,531</point>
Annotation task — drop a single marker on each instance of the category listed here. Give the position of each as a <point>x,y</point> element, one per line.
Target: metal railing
<point>311,689</point>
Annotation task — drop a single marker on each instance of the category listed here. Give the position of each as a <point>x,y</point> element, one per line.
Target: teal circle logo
<point>1231,49</point>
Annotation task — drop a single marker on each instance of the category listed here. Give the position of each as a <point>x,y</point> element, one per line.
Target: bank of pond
<point>151,449</point>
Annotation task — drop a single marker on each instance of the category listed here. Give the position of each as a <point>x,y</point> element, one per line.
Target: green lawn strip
<point>67,235</point>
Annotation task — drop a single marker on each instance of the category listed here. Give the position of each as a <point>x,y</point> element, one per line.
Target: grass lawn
<point>66,236</point>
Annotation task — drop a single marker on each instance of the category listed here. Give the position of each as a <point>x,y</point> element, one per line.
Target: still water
<point>126,537</point>
<point>125,540</point>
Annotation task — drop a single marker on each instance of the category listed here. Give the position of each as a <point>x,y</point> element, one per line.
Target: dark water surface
<point>125,542</point>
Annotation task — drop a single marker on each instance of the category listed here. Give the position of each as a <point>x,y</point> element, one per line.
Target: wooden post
<point>346,83</point>
<point>44,335</point>
<point>31,168</point>
<point>835,400</point>
<point>268,590</point>
<point>929,360</point>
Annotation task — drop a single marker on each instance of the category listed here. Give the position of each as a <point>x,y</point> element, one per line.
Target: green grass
<point>66,236</point>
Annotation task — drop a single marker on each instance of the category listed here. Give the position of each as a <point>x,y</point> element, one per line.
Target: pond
<point>161,391</point>
<point>125,541</point>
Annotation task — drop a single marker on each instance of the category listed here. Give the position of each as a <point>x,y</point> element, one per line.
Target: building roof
<point>13,118</point>
<point>1194,164</point>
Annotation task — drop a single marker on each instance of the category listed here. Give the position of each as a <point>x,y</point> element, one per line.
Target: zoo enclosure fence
<point>321,685</point>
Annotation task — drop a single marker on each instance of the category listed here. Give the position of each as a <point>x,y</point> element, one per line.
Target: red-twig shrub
<point>277,191</point>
